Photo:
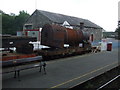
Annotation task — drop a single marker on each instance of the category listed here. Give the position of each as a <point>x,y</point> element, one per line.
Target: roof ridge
<point>59,14</point>
<point>60,18</point>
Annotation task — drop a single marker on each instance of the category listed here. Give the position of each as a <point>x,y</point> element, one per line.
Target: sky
<point>102,12</point>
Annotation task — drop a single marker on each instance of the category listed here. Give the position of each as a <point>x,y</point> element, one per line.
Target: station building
<point>35,22</point>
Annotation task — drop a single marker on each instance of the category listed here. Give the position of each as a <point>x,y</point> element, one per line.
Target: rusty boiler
<point>56,36</point>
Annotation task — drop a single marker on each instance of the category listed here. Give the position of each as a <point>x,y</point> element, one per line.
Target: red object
<point>26,33</point>
<point>109,47</point>
<point>16,56</point>
<point>92,37</point>
<point>31,30</point>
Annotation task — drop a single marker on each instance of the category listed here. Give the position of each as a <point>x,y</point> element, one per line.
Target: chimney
<point>81,25</point>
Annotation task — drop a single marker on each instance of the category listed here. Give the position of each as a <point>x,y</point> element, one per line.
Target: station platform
<point>64,72</point>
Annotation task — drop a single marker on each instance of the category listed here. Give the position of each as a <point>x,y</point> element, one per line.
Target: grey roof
<point>60,18</point>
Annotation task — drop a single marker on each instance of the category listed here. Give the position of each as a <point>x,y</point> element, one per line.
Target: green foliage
<point>0,23</point>
<point>118,31</point>
<point>13,23</point>
<point>7,24</point>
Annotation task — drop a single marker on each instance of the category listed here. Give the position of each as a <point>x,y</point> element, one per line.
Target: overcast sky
<point>102,12</point>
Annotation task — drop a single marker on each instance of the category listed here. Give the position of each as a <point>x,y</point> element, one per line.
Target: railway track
<point>109,79</point>
<point>112,83</point>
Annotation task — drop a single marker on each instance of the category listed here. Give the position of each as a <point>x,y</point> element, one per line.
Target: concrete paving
<point>65,72</point>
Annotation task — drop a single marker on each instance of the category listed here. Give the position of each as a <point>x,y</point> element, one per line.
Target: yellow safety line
<point>82,75</point>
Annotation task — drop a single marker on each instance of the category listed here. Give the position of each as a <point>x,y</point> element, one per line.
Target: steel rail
<point>108,82</point>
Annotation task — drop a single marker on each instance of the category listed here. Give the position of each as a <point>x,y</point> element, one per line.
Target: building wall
<point>37,20</point>
<point>97,33</point>
<point>35,34</point>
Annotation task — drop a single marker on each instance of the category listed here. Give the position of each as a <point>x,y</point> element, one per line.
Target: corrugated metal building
<point>39,18</point>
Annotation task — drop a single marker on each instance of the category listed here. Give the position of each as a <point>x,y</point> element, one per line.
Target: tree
<point>20,20</point>
<point>118,31</point>
<point>7,24</point>
<point>0,23</point>
<point>13,23</point>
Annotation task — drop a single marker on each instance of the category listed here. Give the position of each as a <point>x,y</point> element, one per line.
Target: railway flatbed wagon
<point>49,53</point>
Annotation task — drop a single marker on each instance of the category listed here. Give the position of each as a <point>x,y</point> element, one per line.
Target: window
<point>28,26</point>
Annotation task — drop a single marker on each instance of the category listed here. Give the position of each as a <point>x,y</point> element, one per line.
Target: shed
<point>40,18</point>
